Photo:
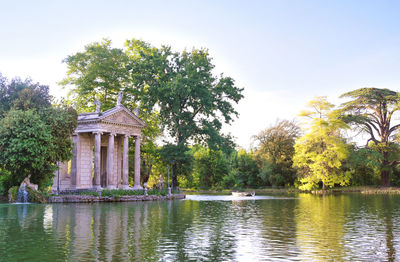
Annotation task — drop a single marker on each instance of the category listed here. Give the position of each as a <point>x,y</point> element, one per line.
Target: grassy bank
<point>336,190</point>
<point>361,189</point>
<point>260,191</point>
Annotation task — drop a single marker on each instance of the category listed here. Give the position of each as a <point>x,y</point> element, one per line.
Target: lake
<point>302,227</point>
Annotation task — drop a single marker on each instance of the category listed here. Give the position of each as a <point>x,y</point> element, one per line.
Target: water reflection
<point>320,231</point>
<point>204,228</point>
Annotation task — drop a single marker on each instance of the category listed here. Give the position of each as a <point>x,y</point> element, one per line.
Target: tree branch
<point>393,128</point>
<point>371,133</point>
<point>373,126</point>
<point>375,119</point>
<point>197,111</point>
<point>391,113</point>
<point>395,162</point>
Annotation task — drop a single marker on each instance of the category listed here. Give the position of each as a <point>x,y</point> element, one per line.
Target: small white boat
<point>243,194</point>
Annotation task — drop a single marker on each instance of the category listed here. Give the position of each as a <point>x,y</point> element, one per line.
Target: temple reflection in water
<point>305,227</point>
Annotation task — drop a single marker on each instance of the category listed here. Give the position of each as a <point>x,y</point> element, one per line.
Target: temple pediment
<point>117,120</point>
<point>122,117</point>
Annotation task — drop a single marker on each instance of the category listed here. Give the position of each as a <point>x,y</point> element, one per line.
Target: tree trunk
<point>385,178</point>
<point>175,181</point>
<point>174,175</point>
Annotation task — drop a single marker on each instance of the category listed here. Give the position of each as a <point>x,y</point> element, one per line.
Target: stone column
<point>75,162</point>
<point>97,154</point>
<point>137,163</point>
<point>119,161</point>
<point>56,179</point>
<point>110,162</point>
<point>125,163</point>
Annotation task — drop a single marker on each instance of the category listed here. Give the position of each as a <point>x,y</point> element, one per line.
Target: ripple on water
<point>230,198</point>
<point>206,228</point>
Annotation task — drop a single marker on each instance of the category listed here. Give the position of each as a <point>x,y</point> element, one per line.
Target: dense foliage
<point>33,134</point>
<point>185,106</point>
<point>320,153</point>
<point>372,110</point>
<point>179,88</point>
<point>274,153</point>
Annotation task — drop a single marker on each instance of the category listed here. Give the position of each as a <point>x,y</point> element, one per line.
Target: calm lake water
<point>347,227</point>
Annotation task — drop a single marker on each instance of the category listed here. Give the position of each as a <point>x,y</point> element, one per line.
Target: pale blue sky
<point>282,52</point>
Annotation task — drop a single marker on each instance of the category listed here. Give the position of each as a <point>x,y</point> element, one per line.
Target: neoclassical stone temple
<point>101,151</point>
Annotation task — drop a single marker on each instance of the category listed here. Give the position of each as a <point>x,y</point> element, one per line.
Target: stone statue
<point>98,104</point>
<point>136,111</point>
<point>74,106</point>
<point>119,99</point>
<point>28,183</point>
<point>160,183</point>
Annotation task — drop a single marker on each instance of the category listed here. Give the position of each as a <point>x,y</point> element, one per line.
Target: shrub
<point>7,181</point>
<point>35,196</point>
<point>121,192</point>
<point>12,193</point>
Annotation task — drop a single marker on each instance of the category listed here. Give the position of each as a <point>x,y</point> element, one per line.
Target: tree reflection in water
<point>305,227</point>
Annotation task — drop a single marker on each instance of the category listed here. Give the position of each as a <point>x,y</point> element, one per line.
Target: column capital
<point>127,135</point>
<point>112,134</point>
<point>97,132</point>
<point>138,136</point>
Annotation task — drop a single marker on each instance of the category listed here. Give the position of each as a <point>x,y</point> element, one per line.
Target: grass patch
<point>161,192</point>
<point>121,192</point>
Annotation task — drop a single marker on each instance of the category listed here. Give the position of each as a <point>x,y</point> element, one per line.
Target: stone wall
<point>84,179</point>
<point>91,199</point>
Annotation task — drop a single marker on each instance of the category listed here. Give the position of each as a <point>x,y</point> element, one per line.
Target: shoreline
<point>338,190</point>
<point>96,199</point>
<point>367,190</point>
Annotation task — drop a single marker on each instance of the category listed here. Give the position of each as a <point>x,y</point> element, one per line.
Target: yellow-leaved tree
<point>319,154</point>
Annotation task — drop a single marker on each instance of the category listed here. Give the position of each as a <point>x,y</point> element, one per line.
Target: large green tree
<point>320,153</point>
<point>372,111</point>
<point>99,72</point>
<point>33,134</point>
<point>363,165</point>
<point>19,94</point>
<point>243,171</point>
<point>210,166</point>
<point>26,146</point>
<point>192,101</point>
<point>274,151</point>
